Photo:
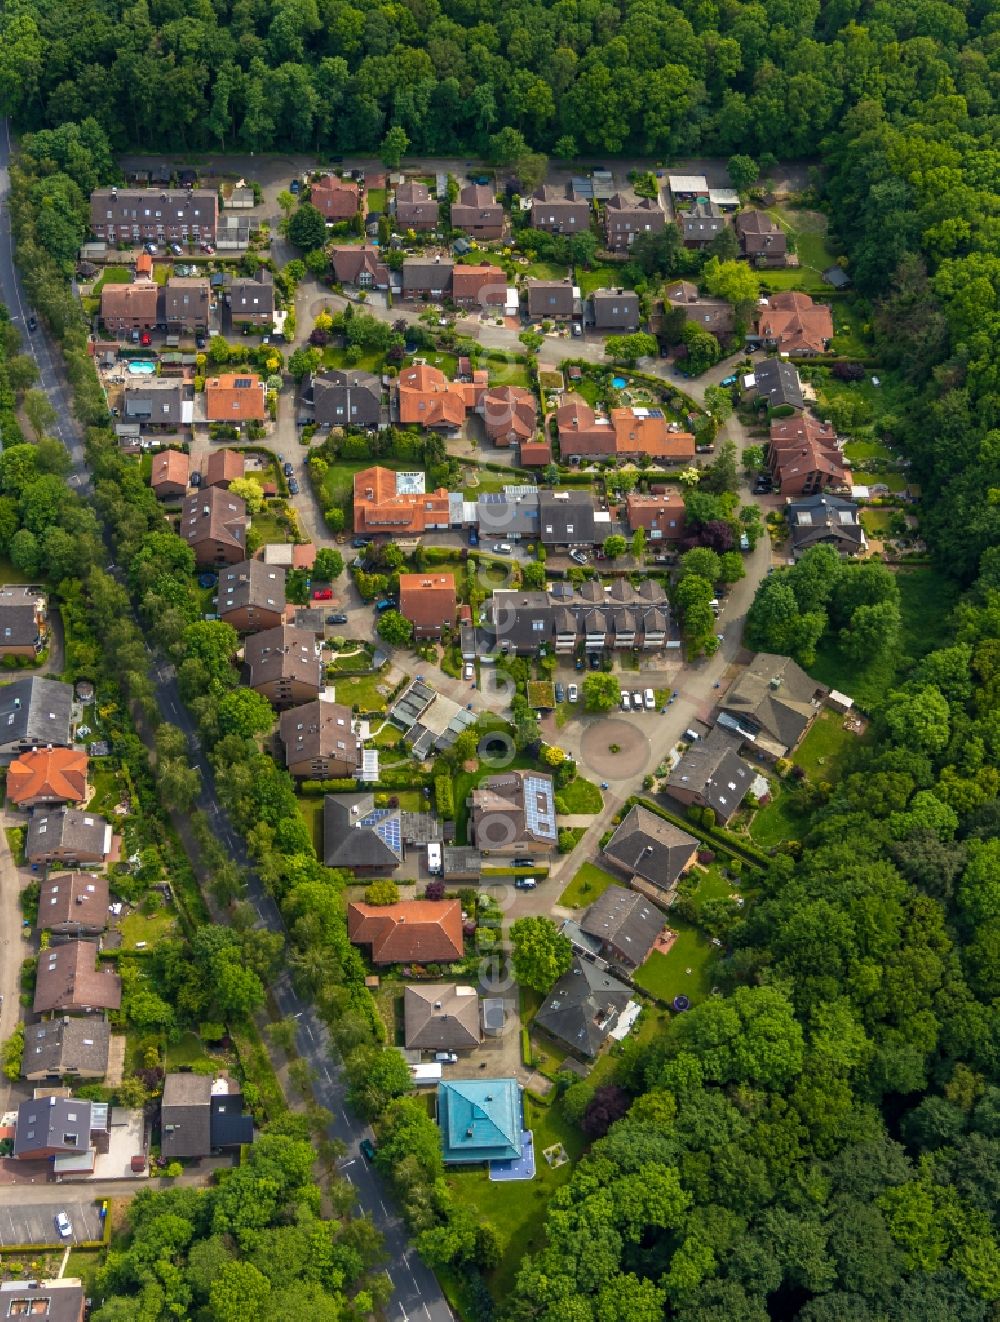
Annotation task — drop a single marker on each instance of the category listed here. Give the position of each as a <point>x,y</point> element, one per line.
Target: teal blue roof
<point>480,1119</point>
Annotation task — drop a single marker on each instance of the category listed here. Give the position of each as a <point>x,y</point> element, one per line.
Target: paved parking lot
<point>36,1224</point>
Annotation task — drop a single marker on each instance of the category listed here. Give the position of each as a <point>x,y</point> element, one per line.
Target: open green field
<point>601,277</point>
<point>361,691</point>
<point>686,969</point>
<point>146,928</point>
<point>589,883</point>
<point>826,747</point>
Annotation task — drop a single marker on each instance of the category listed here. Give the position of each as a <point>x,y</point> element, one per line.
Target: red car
<point>323,594</point>
<point>146,339</point>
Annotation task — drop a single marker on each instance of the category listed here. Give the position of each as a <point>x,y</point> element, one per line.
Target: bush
<point>382,892</point>
<point>444,796</point>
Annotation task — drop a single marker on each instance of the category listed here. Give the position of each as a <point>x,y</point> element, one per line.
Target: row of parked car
<point>638,700</point>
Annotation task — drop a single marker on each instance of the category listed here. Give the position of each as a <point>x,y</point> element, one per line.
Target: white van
<point>434,859</point>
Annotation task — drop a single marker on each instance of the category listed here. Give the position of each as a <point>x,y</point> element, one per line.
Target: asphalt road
<point>417,1293</point>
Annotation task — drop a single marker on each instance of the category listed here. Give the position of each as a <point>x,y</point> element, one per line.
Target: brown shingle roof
<point>67,978</point>
<point>70,899</point>
<point>427,600</point>
<point>441,1017</point>
<point>320,730</point>
<point>424,931</point>
<point>214,515</point>
<point>283,653</point>
<point>170,468</point>
<point>223,467</point>
<point>136,301</point>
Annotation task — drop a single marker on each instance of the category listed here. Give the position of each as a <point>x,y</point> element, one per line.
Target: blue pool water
<point>141,368</point>
<point>619,382</point>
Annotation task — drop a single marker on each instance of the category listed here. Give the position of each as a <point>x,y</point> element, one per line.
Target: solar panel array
<point>539,811</point>
<point>385,822</point>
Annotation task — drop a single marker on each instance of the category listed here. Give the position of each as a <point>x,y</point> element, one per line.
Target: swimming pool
<point>619,382</point>
<point>142,368</point>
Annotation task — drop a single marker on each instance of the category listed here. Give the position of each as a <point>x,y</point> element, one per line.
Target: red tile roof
<point>334,198</point>
<point>378,507</point>
<point>170,468</point>
<point>234,397</point>
<point>50,774</point>
<point>223,467</point>
<point>510,413</point>
<point>422,931</point>
<point>428,601</point>
<point>429,399</point>
<point>795,323</point>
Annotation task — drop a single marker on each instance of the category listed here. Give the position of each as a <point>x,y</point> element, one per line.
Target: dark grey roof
<point>825,519</point>
<point>18,615</point>
<point>625,922</point>
<point>566,518</point>
<point>419,273</point>
<point>36,711</point>
<point>251,583</point>
<point>701,227</point>
<point>521,619</point>
<point>774,696</point>
<point>348,844</point>
<point>185,1115</point>
<point>344,398</point>
<point>714,771</point>
<point>837,277</point>
<point>252,295</point>
<point>66,1046</point>
<point>583,1007</point>
<point>75,832</point>
<point>646,845</point>
<point>228,1126</point>
<point>155,401</point>
<point>500,515</point>
<point>441,1017</point>
<point>42,1301</point>
<point>779,383</point>
<point>62,1123</point>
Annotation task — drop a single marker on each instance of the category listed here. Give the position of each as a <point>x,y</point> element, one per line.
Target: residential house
<point>360,266</point>
<point>478,213</point>
<point>510,516</point>
<point>804,457</point>
<point>522,621</point>
<point>510,415</point>
<point>251,299</point>
<point>200,1115</point>
<point>23,620</point>
<point>772,705</point>
<point>441,1017</point>
<point>223,467</point>
<point>410,932</point>
<point>43,1301</point>
<point>429,602</point>
<point>343,398</point>
<point>73,904</point>
<point>559,209</point>
<point>647,846</point>
<point>615,311</point>
<point>69,979</point>
<point>628,433</point>
<point>777,382</point>
<point>687,187</point>
<point>551,300</point>
<point>320,741</point>
<point>170,474</point>
<point>623,925</point>
<point>158,402</point>
<point>48,775</point>
<point>478,286</point>
<point>396,503</point>
<point>186,302</point>
<point>34,713</point>
<point>428,399</point>
<point>792,323</point>
<point>528,623</point>
<point>252,596</point>
<point>583,1007</point>
<point>55,1126</point>
<point>130,307</point>
<point>141,215</point>
<point>233,233</point>
<point>825,520</point>
<point>762,240</point>
<point>513,812</point>
<point>568,519</point>
<point>415,208</point>
<point>65,1046</point>
<point>143,267</point>
<point>715,315</point>
<point>285,665</point>
<point>214,524</point>
<point>627,216</point>
<point>235,399</point>
<point>359,836</point>
<point>427,277</point>
<point>712,775</point>
<point>700,226</point>
<point>536,453</point>
<point>335,199</point>
<point>661,513</point>
<point>481,1120</point>
<point>68,835</point>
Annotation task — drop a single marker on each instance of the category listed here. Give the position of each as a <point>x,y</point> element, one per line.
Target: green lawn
<point>518,1208</point>
<point>589,883</point>
<point>579,796</point>
<point>870,476</point>
<point>113,275</point>
<point>311,810</point>
<point>107,789</point>
<point>507,373</point>
<point>825,747</point>
<point>601,277</point>
<point>362,691</point>
<point>667,976</point>
<point>801,277</point>
<point>779,820</point>
<point>808,229</point>
<point>150,928</point>
<point>408,800</point>
<point>189,1051</point>
<point>862,453</point>
<point>850,339</point>
<point>876,522</point>
<point>268,526</point>
<point>376,199</point>
<point>543,271</point>
<point>368,362</point>
<point>82,1265</point>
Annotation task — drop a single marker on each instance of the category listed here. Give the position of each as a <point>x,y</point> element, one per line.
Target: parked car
<point>473,537</point>
<point>323,594</point>
<point>503,548</point>
<point>293,486</point>
<point>573,693</point>
<point>579,556</point>
<point>470,670</point>
<point>524,862</point>
<point>338,618</point>
<point>287,469</point>
<point>201,340</point>
<point>386,604</point>
<point>446,1057</point>
<point>744,542</point>
<point>295,186</point>
<point>176,249</point>
<point>626,701</point>
<point>577,331</point>
<point>525,883</point>
<point>728,381</point>
<point>579,663</point>
<point>594,660</point>
<point>207,248</point>
<point>637,699</point>
<point>150,248</point>
<point>64,1225</point>
<point>649,700</point>
<point>367,1149</point>
<point>145,339</point>
<point>360,541</point>
<point>560,693</point>
<point>196,479</point>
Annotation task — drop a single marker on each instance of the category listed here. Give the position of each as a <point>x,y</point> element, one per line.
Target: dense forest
<point>822,1141</point>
